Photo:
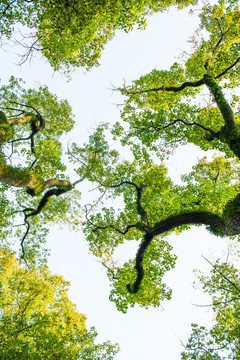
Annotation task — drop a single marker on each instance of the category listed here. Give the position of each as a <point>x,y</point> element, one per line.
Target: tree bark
<point>224,107</point>
<point>215,222</point>
<point>20,178</point>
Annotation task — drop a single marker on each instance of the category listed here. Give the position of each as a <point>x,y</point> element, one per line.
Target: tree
<point>73,33</point>
<point>31,165</point>
<point>164,109</point>
<point>38,321</point>
<point>222,340</point>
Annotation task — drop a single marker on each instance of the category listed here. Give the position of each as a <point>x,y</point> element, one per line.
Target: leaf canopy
<point>37,319</point>
<point>73,33</point>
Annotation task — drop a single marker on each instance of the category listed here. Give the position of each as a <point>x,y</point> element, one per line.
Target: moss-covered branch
<point>16,176</point>
<point>224,107</point>
<point>20,177</point>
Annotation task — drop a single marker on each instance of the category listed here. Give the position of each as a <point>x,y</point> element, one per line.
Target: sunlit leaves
<point>38,320</point>
<point>58,117</point>
<point>39,158</point>
<point>74,33</point>
<point>213,183</point>
<point>222,340</point>
<point>162,110</point>
<point>157,261</point>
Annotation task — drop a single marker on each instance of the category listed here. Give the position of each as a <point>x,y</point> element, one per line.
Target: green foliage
<point>38,320</point>
<point>40,160</point>
<point>221,49</point>
<point>222,340</point>
<point>58,121</point>
<point>73,33</point>
<point>163,114</point>
<point>158,260</point>
<point>163,109</point>
<point>209,187</point>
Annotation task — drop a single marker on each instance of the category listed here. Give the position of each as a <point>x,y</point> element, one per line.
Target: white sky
<point>142,334</point>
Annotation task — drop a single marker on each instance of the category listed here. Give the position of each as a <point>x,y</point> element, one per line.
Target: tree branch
<point>37,124</point>
<point>228,68</point>
<point>6,9</point>
<point>185,84</point>
<point>224,107</point>
<point>172,88</point>
<point>213,133</point>
<point>172,222</point>
<point>139,190</point>
<point>224,276</point>
<point>28,212</point>
<point>99,227</point>
<point>133,289</point>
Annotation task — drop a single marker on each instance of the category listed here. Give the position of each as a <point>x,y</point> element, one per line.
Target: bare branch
<point>228,68</point>
<point>6,9</point>
<point>99,227</point>
<point>213,133</point>
<point>218,303</point>
<point>35,46</point>
<point>224,276</point>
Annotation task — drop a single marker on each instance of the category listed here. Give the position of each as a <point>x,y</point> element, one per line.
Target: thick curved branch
<point>20,178</point>
<point>58,183</point>
<point>21,119</point>
<point>133,289</point>
<point>192,218</point>
<point>45,198</point>
<point>224,107</point>
<point>189,218</point>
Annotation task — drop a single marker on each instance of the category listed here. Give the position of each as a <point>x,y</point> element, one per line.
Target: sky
<point>141,333</point>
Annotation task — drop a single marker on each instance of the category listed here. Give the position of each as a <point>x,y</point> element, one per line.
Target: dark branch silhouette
<point>28,212</point>
<point>222,274</point>
<point>157,128</point>
<point>172,222</point>
<point>37,124</point>
<point>100,227</point>
<point>185,84</point>
<point>170,88</point>
<point>6,9</point>
<point>228,68</point>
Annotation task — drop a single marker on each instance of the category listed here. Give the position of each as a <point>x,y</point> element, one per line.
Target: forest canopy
<point>195,101</point>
